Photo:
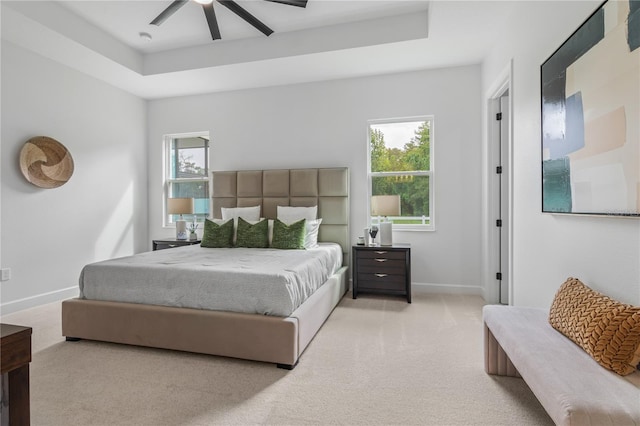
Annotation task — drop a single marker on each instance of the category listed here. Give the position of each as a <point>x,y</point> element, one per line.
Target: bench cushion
<point>572,387</point>
<point>606,329</point>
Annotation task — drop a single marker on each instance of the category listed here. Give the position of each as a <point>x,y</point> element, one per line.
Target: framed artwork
<point>591,116</point>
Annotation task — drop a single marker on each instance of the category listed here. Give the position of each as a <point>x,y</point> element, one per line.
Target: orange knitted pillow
<point>606,329</point>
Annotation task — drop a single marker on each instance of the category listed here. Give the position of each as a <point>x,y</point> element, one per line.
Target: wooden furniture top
<point>15,346</point>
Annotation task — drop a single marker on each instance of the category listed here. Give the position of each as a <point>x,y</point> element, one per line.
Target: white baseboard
<point>39,299</point>
<point>446,288</point>
<point>486,296</point>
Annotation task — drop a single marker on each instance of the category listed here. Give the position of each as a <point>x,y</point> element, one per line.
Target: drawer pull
<point>381,252</point>
<point>172,245</point>
<point>381,260</point>
<point>380,275</point>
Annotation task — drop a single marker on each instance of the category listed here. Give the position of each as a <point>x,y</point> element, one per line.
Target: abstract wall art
<point>591,116</point>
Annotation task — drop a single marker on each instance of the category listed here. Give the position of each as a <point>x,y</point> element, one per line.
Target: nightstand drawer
<point>167,244</point>
<point>380,254</point>
<point>381,277</point>
<point>380,284</point>
<point>390,266</point>
<point>162,246</point>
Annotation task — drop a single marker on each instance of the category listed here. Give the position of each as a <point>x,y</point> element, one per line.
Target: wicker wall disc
<point>45,162</point>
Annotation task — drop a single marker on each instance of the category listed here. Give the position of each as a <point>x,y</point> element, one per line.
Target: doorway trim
<point>491,196</point>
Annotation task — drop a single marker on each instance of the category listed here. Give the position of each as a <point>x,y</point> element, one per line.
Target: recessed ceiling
<point>124,20</point>
<point>329,39</point>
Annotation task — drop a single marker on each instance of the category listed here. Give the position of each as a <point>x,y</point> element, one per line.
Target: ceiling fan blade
<point>212,21</point>
<point>299,3</point>
<point>173,8</point>
<point>242,12</point>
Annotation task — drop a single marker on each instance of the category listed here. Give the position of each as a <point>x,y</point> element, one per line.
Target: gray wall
<point>49,234</point>
<point>325,124</point>
<point>603,252</point>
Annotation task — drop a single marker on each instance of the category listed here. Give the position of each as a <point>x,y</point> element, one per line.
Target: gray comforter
<point>258,281</point>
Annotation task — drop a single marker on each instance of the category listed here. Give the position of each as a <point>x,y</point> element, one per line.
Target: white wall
<point>325,124</point>
<point>603,252</point>
<point>49,234</point>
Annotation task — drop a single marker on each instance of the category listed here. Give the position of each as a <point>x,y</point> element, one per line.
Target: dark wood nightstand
<point>172,242</point>
<point>15,348</point>
<point>382,269</point>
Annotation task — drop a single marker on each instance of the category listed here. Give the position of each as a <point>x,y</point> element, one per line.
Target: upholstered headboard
<point>326,188</point>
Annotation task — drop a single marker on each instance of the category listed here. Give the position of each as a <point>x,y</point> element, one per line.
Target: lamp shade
<point>385,205</point>
<point>180,205</point>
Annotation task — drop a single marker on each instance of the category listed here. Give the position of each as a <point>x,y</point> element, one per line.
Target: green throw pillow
<point>289,236</point>
<point>252,236</point>
<point>217,236</point>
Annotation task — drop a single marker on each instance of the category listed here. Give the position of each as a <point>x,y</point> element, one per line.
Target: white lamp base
<point>386,233</point>
<point>181,230</point>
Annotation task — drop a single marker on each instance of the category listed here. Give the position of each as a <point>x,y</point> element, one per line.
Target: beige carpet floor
<point>377,360</point>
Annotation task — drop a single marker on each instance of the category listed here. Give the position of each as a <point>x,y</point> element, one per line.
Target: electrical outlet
<point>6,274</point>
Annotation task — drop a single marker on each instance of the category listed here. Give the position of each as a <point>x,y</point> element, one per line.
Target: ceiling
<point>188,26</point>
<point>328,39</point>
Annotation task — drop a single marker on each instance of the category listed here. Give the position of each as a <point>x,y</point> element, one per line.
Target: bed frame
<point>248,336</point>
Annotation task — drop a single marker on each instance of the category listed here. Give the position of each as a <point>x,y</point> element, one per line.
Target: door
<point>503,199</point>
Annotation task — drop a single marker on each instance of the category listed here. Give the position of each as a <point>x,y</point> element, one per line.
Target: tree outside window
<point>401,163</point>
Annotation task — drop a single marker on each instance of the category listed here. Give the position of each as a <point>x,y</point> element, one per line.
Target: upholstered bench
<point>571,386</point>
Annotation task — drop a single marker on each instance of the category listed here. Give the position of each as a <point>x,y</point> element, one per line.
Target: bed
<point>278,337</point>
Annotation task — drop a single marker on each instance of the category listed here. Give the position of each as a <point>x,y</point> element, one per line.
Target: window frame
<point>167,140</point>
<point>371,220</point>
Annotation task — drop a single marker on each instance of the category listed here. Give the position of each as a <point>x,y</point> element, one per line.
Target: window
<point>401,165</point>
<point>186,165</point>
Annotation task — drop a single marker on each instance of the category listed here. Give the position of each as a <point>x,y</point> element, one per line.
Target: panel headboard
<point>327,188</point>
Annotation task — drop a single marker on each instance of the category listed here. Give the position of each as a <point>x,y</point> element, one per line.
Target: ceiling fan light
<point>204,1</point>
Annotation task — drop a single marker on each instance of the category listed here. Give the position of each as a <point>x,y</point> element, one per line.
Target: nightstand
<point>15,346</point>
<point>382,269</point>
<point>172,242</point>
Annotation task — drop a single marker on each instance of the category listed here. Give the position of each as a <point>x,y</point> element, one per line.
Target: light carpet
<point>377,360</point>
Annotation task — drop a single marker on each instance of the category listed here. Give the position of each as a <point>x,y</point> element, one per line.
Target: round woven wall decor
<point>45,162</point>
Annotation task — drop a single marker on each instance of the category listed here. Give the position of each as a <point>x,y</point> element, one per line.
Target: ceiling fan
<point>207,6</point>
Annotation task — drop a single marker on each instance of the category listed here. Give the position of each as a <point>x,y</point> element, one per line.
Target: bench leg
<point>496,360</point>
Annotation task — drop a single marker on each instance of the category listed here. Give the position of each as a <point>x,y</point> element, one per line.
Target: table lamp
<point>385,205</point>
<point>180,206</point>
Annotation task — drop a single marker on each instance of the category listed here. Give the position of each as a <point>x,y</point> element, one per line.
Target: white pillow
<point>311,237</point>
<point>247,213</point>
<point>270,231</point>
<point>289,214</point>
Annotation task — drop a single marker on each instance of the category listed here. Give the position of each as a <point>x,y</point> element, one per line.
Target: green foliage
<point>418,149</point>
<point>415,156</point>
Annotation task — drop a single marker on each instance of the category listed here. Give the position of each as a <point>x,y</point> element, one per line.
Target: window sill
<point>416,228</point>
<point>410,228</point>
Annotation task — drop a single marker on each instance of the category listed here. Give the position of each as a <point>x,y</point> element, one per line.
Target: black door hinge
<point>498,275</point>
<point>499,170</point>
<point>499,116</point>
<point>499,223</point>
